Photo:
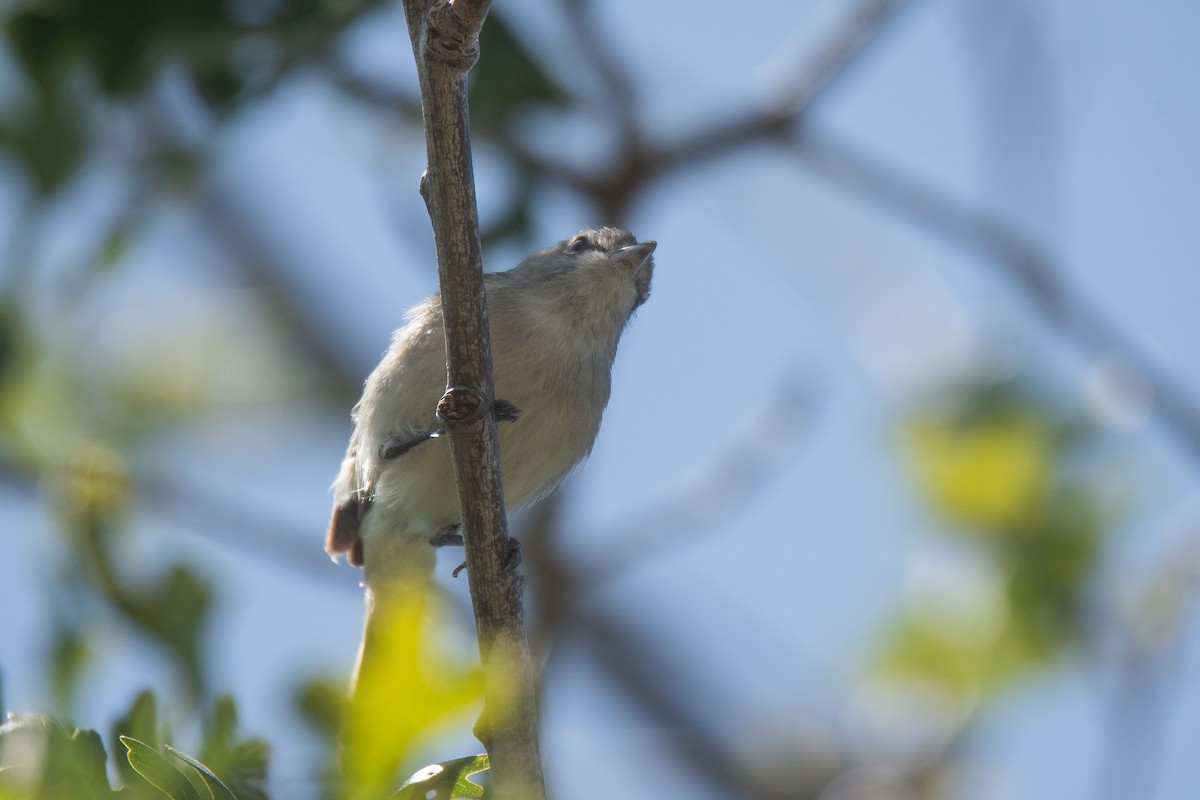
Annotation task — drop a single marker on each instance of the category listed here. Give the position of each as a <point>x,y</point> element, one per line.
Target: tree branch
<point>616,80</point>
<point>640,162</point>
<point>445,40</point>
<point>1007,250</point>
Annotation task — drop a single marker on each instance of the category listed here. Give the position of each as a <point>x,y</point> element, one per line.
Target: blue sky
<point>1075,121</point>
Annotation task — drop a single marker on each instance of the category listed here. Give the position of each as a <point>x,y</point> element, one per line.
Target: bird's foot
<point>511,561</point>
<point>506,411</point>
<point>449,536</point>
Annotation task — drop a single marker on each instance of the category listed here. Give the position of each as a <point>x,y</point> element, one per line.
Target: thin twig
<point>445,39</point>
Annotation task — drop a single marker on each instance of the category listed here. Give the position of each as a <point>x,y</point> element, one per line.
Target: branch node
<point>460,406</point>
<point>451,40</point>
<point>423,188</point>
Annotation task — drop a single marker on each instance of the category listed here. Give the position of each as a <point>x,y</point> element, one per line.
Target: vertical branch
<point>446,45</point>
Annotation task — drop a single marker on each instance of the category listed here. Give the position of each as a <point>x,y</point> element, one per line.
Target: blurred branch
<point>244,529</point>
<point>720,488</point>
<point>1058,302</point>
<point>724,485</point>
<point>373,94</point>
<point>1147,676</point>
<point>171,137</point>
<point>301,328</point>
<point>646,672</point>
<point>640,163</point>
<point>860,27</point>
<point>445,38</point>
<point>563,582</point>
<point>647,669</point>
<point>618,84</point>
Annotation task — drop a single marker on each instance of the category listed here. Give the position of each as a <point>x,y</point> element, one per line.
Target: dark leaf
<point>140,723</point>
<point>44,43</point>
<point>47,136</point>
<point>218,789</point>
<point>155,768</point>
<point>507,79</point>
<point>322,704</point>
<point>242,763</point>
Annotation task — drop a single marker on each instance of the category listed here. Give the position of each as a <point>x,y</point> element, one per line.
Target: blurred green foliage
<point>41,760</point>
<point>76,426</point>
<point>507,80</point>
<point>123,45</point>
<point>1014,476</point>
<point>81,58</point>
<point>1006,469</point>
<point>403,693</point>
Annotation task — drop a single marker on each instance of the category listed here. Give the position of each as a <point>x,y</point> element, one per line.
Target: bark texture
<point>445,40</point>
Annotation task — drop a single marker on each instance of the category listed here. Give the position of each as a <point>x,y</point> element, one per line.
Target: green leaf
<point>47,135</point>
<point>44,43</point>
<point>66,765</point>
<point>322,705</point>
<point>140,723</point>
<point>242,762</point>
<point>155,768</point>
<point>445,781</point>
<point>402,693</point>
<point>174,609</point>
<point>507,78</point>
<point>218,789</point>
<point>68,658</point>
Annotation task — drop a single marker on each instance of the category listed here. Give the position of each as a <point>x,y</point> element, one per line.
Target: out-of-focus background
<point>896,496</point>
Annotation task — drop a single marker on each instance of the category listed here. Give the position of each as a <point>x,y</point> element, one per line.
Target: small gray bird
<point>555,320</point>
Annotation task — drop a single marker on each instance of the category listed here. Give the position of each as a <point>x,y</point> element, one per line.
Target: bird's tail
<point>386,674</point>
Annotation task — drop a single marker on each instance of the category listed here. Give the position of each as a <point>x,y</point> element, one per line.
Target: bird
<point>555,321</point>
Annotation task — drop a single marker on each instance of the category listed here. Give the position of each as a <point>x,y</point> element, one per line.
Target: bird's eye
<point>578,245</point>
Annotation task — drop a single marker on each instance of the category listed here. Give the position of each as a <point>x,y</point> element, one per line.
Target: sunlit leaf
<point>944,650</point>
<point>445,781</point>
<point>402,694</point>
<point>49,762</point>
<point>988,475</point>
<point>995,459</point>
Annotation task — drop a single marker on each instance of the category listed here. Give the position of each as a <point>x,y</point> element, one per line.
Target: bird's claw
<point>506,411</point>
<point>511,561</point>
<point>449,536</point>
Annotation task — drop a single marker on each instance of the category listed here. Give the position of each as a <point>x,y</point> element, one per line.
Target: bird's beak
<point>634,255</point>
